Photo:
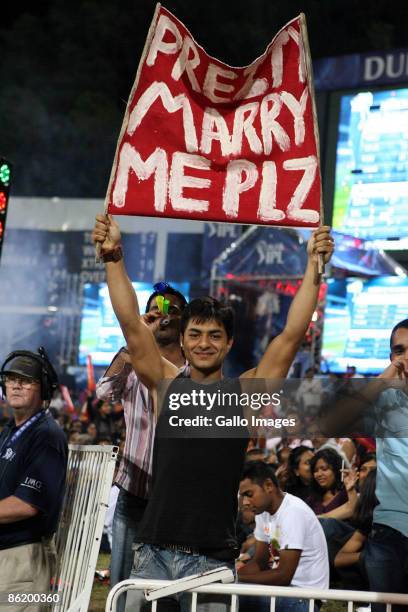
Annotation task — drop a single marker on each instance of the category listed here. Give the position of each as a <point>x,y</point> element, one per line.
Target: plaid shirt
<point>135,470</point>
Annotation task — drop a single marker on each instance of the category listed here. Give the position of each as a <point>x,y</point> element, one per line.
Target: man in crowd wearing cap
<point>120,383</point>
<point>33,460</point>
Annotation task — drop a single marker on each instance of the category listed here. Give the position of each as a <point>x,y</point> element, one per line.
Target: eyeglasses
<point>24,382</point>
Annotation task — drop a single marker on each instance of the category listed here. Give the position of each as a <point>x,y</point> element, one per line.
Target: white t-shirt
<point>295,526</point>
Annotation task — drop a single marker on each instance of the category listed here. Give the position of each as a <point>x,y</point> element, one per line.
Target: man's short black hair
<point>401,325</point>
<point>205,309</point>
<point>258,472</point>
<point>170,291</point>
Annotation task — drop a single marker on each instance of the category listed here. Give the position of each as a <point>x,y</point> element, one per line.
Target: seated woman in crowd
<point>327,489</point>
<point>299,474</point>
<point>368,463</point>
<point>362,519</point>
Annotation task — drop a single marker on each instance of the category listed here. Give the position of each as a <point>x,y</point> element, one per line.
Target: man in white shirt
<point>291,549</point>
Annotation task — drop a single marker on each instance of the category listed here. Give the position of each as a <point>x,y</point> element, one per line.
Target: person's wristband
<point>115,254</point>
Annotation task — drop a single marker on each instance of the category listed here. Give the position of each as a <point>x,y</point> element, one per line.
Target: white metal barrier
<point>89,480</point>
<point>235,590</point>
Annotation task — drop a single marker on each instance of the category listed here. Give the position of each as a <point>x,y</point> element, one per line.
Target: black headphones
<point>49,379</point>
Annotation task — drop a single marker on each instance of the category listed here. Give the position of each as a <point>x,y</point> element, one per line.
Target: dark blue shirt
<point>33,468</point>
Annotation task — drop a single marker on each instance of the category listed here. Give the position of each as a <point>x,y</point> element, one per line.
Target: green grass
<point>334,606</point>
<point>100,590</point>
<point>100,593</point>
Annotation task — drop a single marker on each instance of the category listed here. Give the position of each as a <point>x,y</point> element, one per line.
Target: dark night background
<point>66,70</point>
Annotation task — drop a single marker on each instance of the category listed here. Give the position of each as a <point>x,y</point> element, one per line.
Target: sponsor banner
<point>360,69</point>
<point>217,238</point>
<point>265,253</point>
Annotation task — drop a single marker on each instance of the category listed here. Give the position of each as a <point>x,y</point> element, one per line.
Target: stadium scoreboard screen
<point>359,316</point>
<point>369,132</point>
<point>100,335</point>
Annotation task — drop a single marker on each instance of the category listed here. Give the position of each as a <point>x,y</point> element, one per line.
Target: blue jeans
<point>164,564</point>
<point>333,528</point>
<point>128,514</point>
<point>263,604</point>
<point>385,555</point>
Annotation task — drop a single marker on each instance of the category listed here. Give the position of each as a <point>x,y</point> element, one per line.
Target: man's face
<point>205,344</point>
<point>171,332</point>
<point>22,392</point>
<point>91,430</point>
<point>315,436</point>
<point>255,497</point>
<point>399,345</point>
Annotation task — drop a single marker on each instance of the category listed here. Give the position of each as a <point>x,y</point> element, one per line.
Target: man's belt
<point>221,554</point>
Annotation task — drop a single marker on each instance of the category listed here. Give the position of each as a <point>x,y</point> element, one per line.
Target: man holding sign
<point>202,140</point>
<point>189,523</point>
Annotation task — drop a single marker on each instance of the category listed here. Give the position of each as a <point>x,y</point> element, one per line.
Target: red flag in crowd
<point>67,399</point>
<point>90,373</point>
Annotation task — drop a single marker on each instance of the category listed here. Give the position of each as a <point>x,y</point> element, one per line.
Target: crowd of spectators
<point>335,477</point>
<point>93,421</point>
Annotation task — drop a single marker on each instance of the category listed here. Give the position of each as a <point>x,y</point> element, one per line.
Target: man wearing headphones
<point>33,461</point>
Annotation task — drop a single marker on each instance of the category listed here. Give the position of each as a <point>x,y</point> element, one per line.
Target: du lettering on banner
<point>202,140</point>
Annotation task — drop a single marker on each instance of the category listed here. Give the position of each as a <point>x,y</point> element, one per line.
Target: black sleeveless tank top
<point>196,470</point>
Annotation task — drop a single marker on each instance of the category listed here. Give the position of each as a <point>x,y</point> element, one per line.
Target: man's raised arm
<point>282,350</point>
<point>144,353</point>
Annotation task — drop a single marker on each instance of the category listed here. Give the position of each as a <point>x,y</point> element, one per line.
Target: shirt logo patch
<point>32,483</point>
<point>9,454</point>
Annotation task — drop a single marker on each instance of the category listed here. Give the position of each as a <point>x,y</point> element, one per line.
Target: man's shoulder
<point>294,505</point>
<point>392,395</point>
<point>289,514</point>
<point>48,432</point>
<point>292,501</point>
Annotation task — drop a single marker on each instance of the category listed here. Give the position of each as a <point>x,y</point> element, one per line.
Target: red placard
<point>202,140</point>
